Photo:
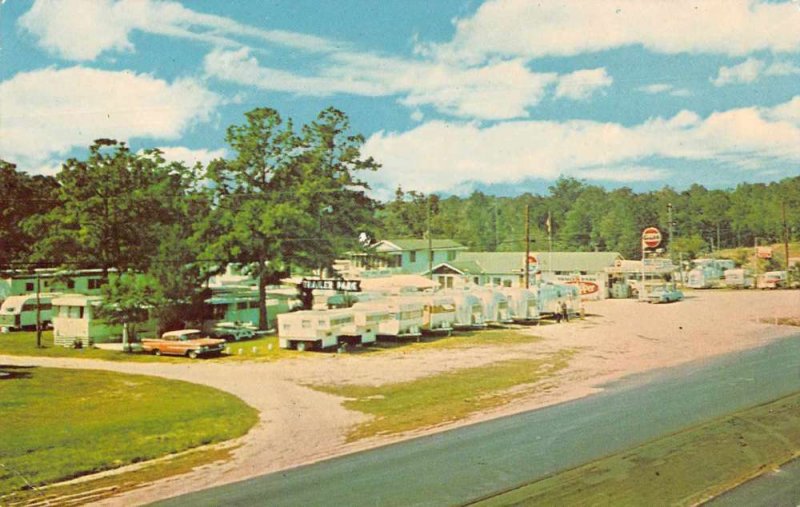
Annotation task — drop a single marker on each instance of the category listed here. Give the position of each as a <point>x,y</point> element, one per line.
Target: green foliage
<point>23,196</point>
<point>59,424</point>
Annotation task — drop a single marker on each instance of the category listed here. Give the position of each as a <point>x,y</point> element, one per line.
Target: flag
<point>549,224</point>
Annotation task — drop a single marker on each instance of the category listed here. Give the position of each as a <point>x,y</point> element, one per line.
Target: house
<point>394,256</point>
<point>82,281</point>
<point>241,305</point>
<point>506,269</point>
<point>75,319</point>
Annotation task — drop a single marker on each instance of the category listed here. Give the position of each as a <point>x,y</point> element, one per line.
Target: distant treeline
<point>587,217</point>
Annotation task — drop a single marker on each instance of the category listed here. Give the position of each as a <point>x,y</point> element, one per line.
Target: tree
<point>23,196</point>
<point>285,199</point>
<point>128,299</point>
<point>111,209</point>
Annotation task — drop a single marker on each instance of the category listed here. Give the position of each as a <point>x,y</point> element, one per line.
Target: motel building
<point>588,270</point>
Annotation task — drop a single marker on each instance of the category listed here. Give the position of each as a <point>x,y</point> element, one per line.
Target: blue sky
<point>502,96</point>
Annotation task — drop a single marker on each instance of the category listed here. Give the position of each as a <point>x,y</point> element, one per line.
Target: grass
<point>93,490</point>
<point>444,397</point>
<point>23,343</point>
<point>59,424</point>
<point>681,469</point>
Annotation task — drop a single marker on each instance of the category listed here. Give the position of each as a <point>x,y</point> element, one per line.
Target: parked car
<point>183,342</point>
<point>664,295</point>
<point>232,331</point>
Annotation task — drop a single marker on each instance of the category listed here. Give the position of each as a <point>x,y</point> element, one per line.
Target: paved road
<point>462,465</point>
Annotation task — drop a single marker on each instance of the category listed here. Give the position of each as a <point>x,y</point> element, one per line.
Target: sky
<point>451,96</point>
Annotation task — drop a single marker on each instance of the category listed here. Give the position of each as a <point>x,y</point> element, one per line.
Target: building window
<point>451,255</point>
<point>476,280</point>
<point>29,287</point>
<point>496,281</point>
<point>95,283</point>
<point>241,305</point>
<point>506,283</point>
<point>412,256</point>
<point>449,282</point>
<point>70,283</point>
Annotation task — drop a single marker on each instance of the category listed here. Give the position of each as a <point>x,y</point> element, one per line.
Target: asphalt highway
<point>462,465</point>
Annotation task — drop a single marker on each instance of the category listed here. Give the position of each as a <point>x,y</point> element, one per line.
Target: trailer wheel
<point>192,354</point>
<point>301,346</point>
<point>156,352</point>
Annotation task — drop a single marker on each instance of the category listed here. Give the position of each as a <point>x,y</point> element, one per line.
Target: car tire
<point>301,346</point>
<point>156,352</point>
<point>192,354</point>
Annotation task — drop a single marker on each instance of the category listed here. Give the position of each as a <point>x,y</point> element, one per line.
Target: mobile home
<point>75,320</point>
<point>314,329</point>
<point>405,316</point>
<point>19,312</point>
<point>367,323</point>
<point>468,309</point>
<point>522,304</point>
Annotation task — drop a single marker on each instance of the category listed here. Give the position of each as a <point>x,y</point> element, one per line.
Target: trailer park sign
<point>332,284</point>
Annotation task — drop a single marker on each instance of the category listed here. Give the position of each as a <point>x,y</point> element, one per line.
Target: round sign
<point>651,237</point>
<point>533,263</point>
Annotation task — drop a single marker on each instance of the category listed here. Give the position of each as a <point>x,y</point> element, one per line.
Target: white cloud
<point>438,156</point>
<point>83,29</point>
<point>751,70</point>
<point>48,112</point>
<point>746,72</point>
<point>190,156</point>
<point>656,88</point>
<point>582,84</point>
<point>523,28</point>
<point>499,90</point>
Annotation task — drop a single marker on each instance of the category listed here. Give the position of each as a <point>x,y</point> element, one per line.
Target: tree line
<point>586,217</point>
<point>293,199</point>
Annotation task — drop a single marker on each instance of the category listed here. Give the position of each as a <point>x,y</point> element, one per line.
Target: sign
<point>533,264</point>
<point>585,287</point>
<point>332,284</point>
<point>651,237</point>
<point>764,252</point>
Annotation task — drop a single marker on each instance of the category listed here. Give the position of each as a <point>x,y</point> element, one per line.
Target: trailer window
<point>306,324</point>
<point>29,287</point>
<point>241,305</point>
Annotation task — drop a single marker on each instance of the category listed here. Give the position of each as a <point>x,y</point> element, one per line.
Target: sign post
<point>651,238</point>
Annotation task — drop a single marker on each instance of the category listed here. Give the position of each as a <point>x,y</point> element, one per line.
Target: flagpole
<point>550,242</point>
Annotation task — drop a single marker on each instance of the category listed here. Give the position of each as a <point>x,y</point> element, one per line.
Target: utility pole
<point>38,312</point>
<point>430,242</point>
<point>786,243</point>
<point>527,246</point>
<point>669,226</point>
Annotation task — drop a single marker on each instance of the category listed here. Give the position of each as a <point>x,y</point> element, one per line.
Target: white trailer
<point>771,280</point>
<point>405,316</point>
<point>367,324</point>
<point>549,297</point>
<point>314,329</point>
<point>495,305</point>
<point>469,309</point>
<point>438,312</point>
<point>739,279</point>
<point>19,312</point>
<point>522,303</point>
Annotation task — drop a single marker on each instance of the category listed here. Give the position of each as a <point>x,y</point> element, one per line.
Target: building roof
<point>400,245</point>
<point>514,262</point>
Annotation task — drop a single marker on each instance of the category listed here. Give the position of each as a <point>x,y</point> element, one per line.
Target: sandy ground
<point>299,425</point>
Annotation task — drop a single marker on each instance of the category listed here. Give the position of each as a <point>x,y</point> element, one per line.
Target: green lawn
<point>23,343</point>
<point>684,468</point>
<point>58,424</point>
<point>445,397</point>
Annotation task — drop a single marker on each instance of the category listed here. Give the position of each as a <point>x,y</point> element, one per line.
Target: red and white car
<point>183,342</point>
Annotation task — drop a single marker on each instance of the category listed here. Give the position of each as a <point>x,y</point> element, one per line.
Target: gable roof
<point>514,262</point>
<point>400,245</point>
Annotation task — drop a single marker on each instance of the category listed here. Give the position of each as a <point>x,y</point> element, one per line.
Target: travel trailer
<point>522,304</point>
<point>549,297</point>
<point>367,323</point>
<point>739,279</point>
<point>468,309</point>
<point>314,329</point>
<point>771,280</point>
<point>405,316</point>
<point>19,312</point>
<point>708,273</point>
<point>438,312</point>
<point>495,305</point>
